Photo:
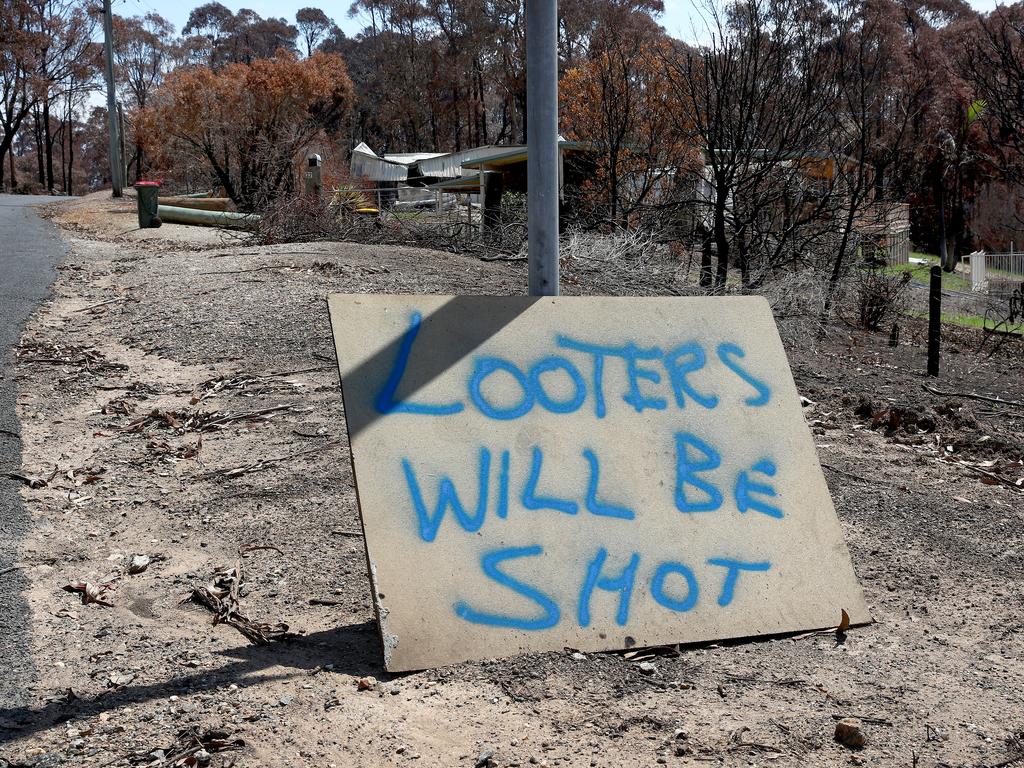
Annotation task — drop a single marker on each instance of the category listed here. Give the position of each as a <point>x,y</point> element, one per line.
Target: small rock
<point>286,700</point>
<point>850,734</point>
<point>680,750</point>
<point>365,683</point>
<point>577,656</point>
<point>647,668</point>
<point>484,759</point>
<point>395,690</point>
<point>116,681</point>
<point>139,563</point>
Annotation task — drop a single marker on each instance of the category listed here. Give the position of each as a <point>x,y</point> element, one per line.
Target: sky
<point>680,18</point>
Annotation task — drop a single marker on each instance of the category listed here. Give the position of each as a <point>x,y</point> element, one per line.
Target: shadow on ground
<point>351,650</point>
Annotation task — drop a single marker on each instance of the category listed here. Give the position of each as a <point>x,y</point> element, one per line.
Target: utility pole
<point>542,145</point>
<point>116,167</point>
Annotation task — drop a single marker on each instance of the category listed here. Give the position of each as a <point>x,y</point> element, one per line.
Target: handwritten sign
<point>593,473</point>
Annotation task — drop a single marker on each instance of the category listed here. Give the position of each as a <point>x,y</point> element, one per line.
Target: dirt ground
<point>180,401</point>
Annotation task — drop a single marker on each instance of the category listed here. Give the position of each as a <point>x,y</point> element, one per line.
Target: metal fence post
<point>542,145</point>
<point>934,320</point>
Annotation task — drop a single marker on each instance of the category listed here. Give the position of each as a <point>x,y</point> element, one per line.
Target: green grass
<point>951,281</point>
<point>976,322</point>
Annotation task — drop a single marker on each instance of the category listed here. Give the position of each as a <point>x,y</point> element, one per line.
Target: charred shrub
<point>880,296</point>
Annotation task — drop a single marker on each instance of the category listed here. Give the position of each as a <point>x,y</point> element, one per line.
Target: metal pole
<point>108,49</point>
<point>542,144</point>
<point>934,320</point>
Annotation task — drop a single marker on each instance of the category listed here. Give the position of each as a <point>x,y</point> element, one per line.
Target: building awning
<point>461,184</point>
<point>500,157</point>
<point>450,166</point>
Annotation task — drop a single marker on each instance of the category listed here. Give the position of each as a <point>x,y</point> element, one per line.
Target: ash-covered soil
<point>183,405</point>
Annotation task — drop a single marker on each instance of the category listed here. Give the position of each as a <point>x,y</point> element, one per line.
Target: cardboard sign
<point>592,473</point>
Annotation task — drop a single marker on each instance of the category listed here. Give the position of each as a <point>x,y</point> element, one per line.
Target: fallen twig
<point>869,719</point>
<point>32,482</point>
<point>244,271</point>
<point>186,747</point>
<point>994,477</point>
<point>103,303</point>
<point>273,461</point>
<point>974,396</point>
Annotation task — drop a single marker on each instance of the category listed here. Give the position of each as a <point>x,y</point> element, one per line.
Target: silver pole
<point>116,169</point>
<point>542,144</point>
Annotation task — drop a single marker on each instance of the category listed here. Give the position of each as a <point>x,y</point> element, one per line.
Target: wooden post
<point>314,184</point>
<point>934,320</point>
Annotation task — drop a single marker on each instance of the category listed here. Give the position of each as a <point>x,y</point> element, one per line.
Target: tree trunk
<point>4,147</point>
<point>613,185</point>
<point>958,222</point>
<point>38,130</point>
<point>71,154</point>
<point>743,263</point>
<point>63,164</point>
<point>706,276</point>
<point>943,251</point>
<point>721,240</point>
<point>48,136</point>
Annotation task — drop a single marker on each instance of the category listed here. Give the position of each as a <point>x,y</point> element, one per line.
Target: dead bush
<point>630,262</point>
<point>880,296</point>
<point>305,219</point>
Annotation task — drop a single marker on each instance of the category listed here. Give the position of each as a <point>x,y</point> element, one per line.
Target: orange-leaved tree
<point>250,124</point>
<point>616,101</point>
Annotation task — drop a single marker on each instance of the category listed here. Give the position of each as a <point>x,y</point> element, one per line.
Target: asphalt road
<point>30,248</point>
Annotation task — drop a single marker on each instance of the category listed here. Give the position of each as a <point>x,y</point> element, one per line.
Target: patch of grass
<point>951,281</point>
<point>965,321</point>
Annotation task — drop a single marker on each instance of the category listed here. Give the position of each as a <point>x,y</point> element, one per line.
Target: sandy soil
<point>183,404</point>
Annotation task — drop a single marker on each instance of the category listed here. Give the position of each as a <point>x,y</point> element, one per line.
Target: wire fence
<point>1009,264</point>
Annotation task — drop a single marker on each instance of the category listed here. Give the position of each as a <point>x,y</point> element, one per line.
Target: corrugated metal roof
<point>401,166</point>
<point>364,164</point>
<point>449,166</point>
<point>408,158</point>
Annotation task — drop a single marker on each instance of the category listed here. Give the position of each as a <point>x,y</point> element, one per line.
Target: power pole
<point>542,145</point>
<point>116,167</point>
